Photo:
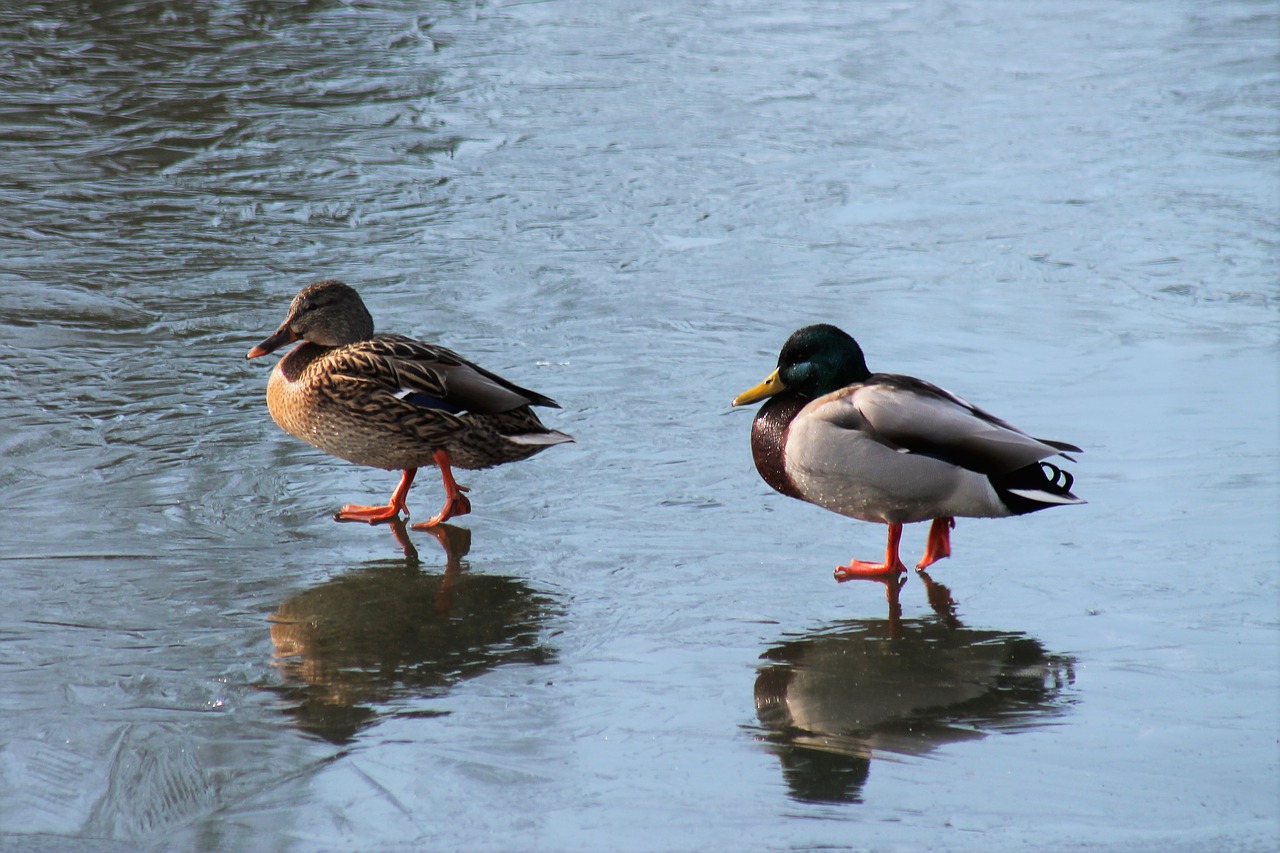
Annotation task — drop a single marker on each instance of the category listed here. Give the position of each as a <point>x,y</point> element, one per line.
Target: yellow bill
<point>772,384</point>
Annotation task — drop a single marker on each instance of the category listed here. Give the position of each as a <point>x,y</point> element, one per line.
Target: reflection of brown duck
<point>389,630</point>
<point>833,697</point>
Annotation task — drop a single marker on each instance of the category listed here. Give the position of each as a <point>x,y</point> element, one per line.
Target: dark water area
<point>1066,214</point>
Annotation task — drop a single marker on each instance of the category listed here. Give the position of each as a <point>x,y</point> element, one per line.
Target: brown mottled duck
<point>388,401</point>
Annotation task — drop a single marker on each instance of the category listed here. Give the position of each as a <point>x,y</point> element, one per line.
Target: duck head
<point>815,360</point>
<point>328,313</point>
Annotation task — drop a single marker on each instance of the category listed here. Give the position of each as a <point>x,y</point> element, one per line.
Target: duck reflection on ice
<point>390,631</point>
<point>830,699</point>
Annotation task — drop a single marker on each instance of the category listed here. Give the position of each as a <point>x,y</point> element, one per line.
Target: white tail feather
<point>1043,497</point>
<point>541,439</point>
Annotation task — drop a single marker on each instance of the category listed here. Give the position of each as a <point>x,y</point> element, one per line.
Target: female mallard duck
<point>387,401</point>
<point>892,449</point>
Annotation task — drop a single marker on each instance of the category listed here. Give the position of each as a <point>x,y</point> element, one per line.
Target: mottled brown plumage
<point>387,401</point>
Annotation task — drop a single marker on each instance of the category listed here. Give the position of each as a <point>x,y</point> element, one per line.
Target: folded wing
<point>432,377</point>
<point>914,416</point>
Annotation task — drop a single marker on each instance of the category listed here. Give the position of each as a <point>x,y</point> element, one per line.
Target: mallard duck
<point>387,401</point>
<point>892,449</point>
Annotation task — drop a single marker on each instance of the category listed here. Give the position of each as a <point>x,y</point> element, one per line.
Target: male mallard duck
<point>387,401</point>
<point>892,449</point>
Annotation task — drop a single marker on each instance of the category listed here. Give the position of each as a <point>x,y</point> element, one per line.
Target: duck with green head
<point>387,401</point>
<point>892,449</point>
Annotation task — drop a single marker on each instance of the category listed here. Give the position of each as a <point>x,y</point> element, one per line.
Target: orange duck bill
<point>284,335</point>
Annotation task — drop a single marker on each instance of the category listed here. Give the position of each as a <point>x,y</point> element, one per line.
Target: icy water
<point>1065,213</point>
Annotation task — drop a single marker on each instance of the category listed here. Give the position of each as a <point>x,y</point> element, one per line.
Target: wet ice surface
<point>1064,214</point>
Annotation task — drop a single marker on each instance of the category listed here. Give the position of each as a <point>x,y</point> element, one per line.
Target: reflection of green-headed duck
<point>830,700</point>
<point>892,449</point>
<point>387,401</point>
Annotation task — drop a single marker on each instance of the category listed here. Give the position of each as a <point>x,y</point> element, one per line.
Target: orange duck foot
<point>454,506</point>
<point>938,545</point>
<point>375,514</point>
<point>890,567</point>
<point>868,571</point>
<point>371,514</point>
<point>455,502</point>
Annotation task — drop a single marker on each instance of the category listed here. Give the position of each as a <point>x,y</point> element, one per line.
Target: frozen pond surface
<point>1065,213</point>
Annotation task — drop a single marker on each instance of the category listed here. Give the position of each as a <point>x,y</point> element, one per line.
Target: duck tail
<point>541,439</point>
<point>1037,486</point>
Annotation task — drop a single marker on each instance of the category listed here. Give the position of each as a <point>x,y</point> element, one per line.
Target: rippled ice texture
<point>1064,212</point>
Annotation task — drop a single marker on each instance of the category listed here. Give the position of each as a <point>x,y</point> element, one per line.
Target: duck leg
<point>938,545</point>
<point>891,565</point>
<point>455,502</point>
<point>374,514</point>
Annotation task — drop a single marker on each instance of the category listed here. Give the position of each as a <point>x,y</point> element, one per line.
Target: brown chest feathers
<point>769,440</point>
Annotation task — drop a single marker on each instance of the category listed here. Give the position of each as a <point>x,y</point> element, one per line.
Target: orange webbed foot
<point>376,514</point>
<point>867,570</point>
<point>371,514</point>
<point>455,502</point>
<point>938,545</point>
<point>454,505</point>
<point>891,567</point>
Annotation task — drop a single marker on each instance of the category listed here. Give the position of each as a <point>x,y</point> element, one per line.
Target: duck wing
<point>914,416</point>
<point>430,377</point>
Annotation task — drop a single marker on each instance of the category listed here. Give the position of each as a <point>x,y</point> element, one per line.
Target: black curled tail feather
<point>1035,487</point>
<point>1054,474</point>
